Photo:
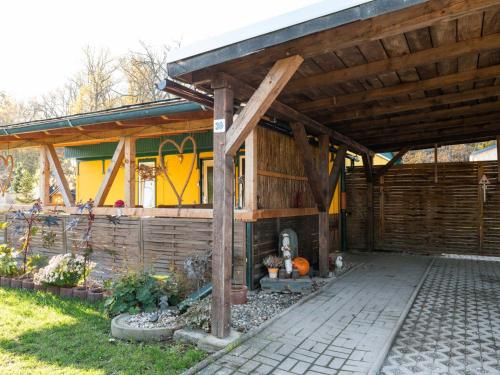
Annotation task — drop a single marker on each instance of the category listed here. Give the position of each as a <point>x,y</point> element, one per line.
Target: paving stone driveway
<point>342,330</point>
<point>454,325</point>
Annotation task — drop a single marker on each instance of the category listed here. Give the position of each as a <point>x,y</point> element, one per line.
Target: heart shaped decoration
<point>180,149</point>
<point>6,169</point>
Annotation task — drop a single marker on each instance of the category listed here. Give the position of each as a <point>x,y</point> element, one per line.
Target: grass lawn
<point>43,334</point>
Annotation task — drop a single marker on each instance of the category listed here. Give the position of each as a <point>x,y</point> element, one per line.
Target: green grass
<point>43,334</point>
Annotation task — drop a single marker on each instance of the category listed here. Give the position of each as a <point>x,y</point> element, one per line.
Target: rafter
<point>427,56</point>
<point>401,89</point>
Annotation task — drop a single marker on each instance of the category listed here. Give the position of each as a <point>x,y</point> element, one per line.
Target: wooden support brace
<point>305,150</point>
<point>223,182</point>
<point>383,170</point>
<point>44,184</point>
<point>62,182</point>
<point>260,101</point>
<point>129,181</point>
<point>251,170</point>
<point>111,173</point>
<point>338,165</point>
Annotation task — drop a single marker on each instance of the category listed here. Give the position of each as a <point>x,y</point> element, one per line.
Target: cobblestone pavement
<point>453,326</point>
<point>342,330</point>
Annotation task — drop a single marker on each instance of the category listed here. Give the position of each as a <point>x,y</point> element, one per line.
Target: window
<point>147,188</point>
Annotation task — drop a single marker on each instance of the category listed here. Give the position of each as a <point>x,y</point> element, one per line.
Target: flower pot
<point>40,287</point>
<point>80,292</point>
<point>66,292</point>
<point>53,289</point>
<point>5,282</point>
<point>239,294</point>
<point>28,284</point>
<point>16,283</point>
<point>95,295</point>
<point>273,273</point>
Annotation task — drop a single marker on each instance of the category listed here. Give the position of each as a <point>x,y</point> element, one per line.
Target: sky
<point>42,41</point>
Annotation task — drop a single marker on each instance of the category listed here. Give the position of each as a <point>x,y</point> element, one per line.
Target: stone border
<point>123,331</point>
<point>248,335</point>
<point>379,361</point>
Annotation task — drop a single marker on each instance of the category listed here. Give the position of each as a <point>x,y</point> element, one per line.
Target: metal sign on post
<point>484,181</point>
<point>219,125</point>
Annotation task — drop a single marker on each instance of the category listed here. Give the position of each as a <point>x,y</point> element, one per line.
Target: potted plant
<point>119,205</point>
<point>63,273</point>
<point>8,265</point>
<point>273,264</point>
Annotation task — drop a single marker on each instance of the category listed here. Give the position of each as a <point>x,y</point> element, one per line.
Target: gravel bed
<point>260,307</point>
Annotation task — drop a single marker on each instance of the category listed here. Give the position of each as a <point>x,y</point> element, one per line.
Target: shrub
<point>36,262</point>
<point>66,270</point>
<point>138,292</point>
<point>8,262</point>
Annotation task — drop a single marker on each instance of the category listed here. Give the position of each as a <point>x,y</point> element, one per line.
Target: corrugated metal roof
<point>144,147</point>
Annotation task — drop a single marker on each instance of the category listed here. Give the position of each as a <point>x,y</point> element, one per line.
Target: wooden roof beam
<point>401,89</point>
<point>291,115</point>
<point>427,56</point>
<point>474,94</point>
<point>382,170</point>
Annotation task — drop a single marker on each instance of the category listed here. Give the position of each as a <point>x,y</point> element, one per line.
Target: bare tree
<point>142,71</point>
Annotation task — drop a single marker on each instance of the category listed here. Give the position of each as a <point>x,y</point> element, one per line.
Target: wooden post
<point>498,159</point>
<point>44,177</point>
<point>323,216</point>
<point>367,163</point>
<point>62,182</point>
<point>222,211</point>
<point>480,201</point>
<point>251,168</point>
<point>436,163</point>
<point>129,159</point>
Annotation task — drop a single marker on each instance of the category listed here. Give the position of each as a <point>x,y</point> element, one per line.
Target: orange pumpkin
<point>302,265</point>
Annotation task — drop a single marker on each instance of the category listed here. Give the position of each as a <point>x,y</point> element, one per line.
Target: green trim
<point>123,114</point>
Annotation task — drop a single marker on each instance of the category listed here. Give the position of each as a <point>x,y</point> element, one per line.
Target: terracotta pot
<point>28,284</point>
<point>95,295</point>
<point>5,282</point>
<point>16,283</point>
<point>80,292</point>
<point>40,287</point>
<point>66,292</point>
<point>239,294</point>
<point>53,289</point>
<point>273,273</point>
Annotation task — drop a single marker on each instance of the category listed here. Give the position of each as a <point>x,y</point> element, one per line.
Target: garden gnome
<point>287,253</point>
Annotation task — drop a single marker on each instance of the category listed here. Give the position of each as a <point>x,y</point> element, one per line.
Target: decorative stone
<point>121,329</point>
<point>300,285</point>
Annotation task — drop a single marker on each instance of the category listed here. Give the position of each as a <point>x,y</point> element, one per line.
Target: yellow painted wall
<point>91,174</point>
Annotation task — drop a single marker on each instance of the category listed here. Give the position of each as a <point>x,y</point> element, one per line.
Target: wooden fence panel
<point>414,213</point>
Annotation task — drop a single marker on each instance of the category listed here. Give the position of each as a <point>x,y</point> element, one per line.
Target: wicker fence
<point>425,210</point>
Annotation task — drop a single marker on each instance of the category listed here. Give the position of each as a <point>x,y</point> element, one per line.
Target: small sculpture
<point>339,262</point>
<point>287,253</point>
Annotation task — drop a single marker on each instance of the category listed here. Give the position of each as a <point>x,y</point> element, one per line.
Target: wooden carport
<point>378,76</point>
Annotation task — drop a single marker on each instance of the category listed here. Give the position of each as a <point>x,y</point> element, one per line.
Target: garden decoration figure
<point>180,148</point>
<point>287,253</point>
<point>119,204</point>
<point>339,262</point>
